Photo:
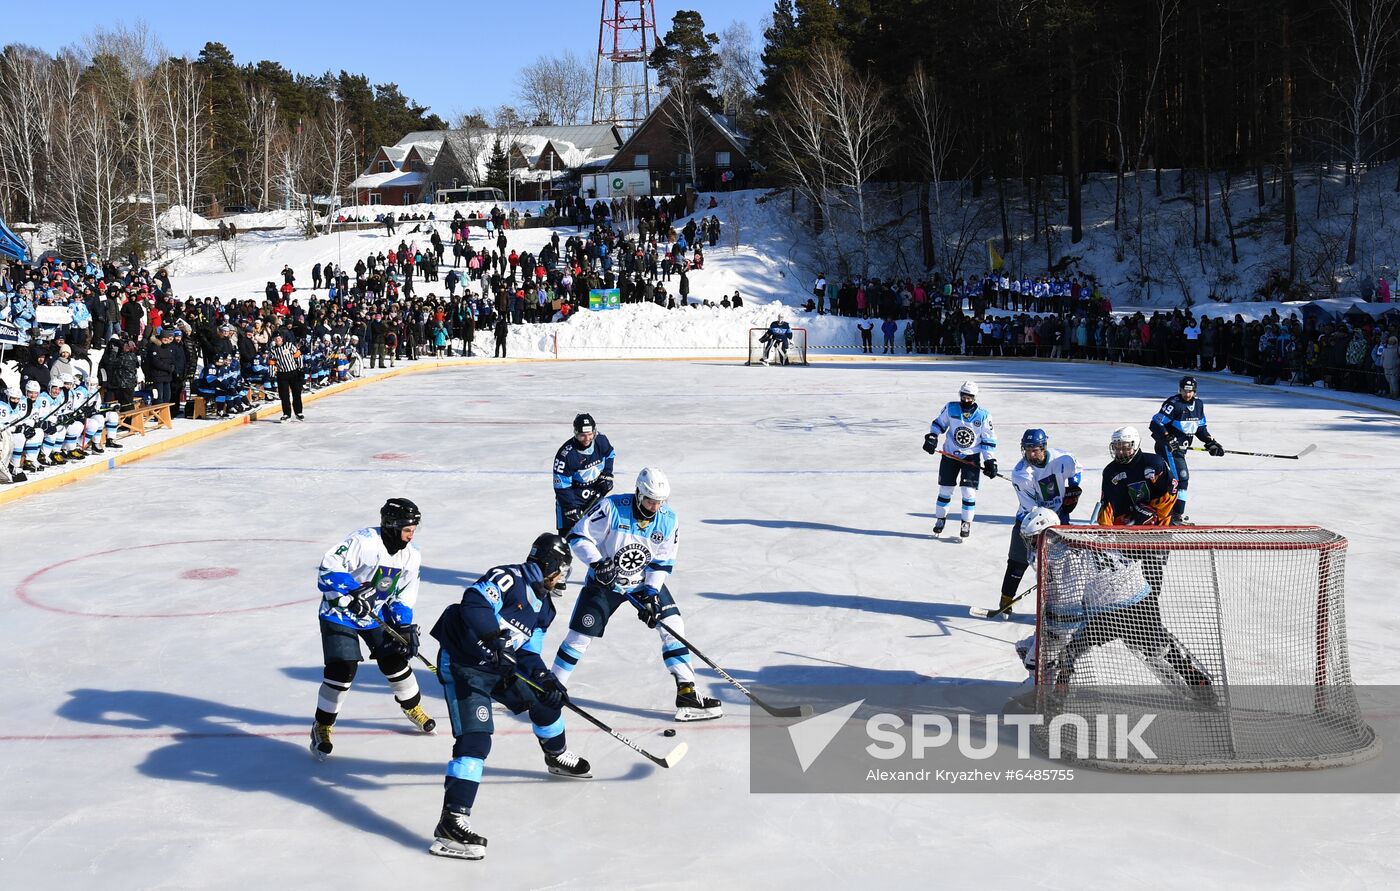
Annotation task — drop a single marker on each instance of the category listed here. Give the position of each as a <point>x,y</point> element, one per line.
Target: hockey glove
<point>604,571</point>
<point>648,605</point>
<point>1215,448</point>
<point>931,443</point>
<point>603,485</point>
<point>498,648</point>
<point>1070,501</point>
<point>989,467</point>
<point>550,692</point>
<point>408,647</point>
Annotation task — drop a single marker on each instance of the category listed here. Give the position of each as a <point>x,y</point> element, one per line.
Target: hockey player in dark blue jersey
<point>583,473</point>
<point>490,651</point>
<point>1138,488</point>
<point>1180,418</point>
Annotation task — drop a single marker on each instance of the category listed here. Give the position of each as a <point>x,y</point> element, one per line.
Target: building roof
<point>394,179</point>
<point>578,146</point>
<point>723,124</point>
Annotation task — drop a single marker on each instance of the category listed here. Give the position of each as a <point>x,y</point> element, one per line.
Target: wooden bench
<point>257,394</point>
<point>135,420</point>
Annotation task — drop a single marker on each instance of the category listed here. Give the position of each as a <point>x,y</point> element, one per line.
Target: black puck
<point>669,731</point>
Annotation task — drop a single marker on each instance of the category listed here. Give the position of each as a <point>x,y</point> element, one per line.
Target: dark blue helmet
<point>1035,438</point>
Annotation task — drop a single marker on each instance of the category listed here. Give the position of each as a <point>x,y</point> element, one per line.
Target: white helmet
<point>65,380</point>
<point>968,388</point>
<point>1124,444</point>
<point>652,483</point>
<point>1037,521</point>
<point>32,386</point>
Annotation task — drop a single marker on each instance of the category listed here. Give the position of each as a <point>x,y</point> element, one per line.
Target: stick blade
<point>793,711</point>
<point>673,757</point>
<point>1308,451</point>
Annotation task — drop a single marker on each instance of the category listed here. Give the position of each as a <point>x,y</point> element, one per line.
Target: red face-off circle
<point>210,573</point>
<point>127,582</point>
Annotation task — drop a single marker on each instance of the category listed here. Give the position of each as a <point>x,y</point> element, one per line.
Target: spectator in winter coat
<point>1390,365</point>
<point>866,328</point>
<point>502,331</point>
<point>888,329</point>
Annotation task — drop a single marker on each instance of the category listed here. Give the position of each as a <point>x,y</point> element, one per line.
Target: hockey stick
<point>999,476</point>
<point>992,613</point>
<point>1307,451</point>
<point>795,711</point>
<point>670,759</point>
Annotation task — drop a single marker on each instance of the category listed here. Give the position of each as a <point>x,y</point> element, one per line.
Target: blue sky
<point>449,61</point>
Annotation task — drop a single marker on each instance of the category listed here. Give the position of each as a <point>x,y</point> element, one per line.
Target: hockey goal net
<point>796,351</point>
<point>1233,638</point>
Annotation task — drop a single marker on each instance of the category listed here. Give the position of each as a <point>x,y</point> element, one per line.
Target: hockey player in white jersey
<point>1095,597</point>
<point>970,449</point>
<point>367,581</point>
<point>629,542</point>
<point>1044,477</point>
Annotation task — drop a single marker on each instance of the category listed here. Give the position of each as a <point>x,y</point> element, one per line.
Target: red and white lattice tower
<point>622,82</point>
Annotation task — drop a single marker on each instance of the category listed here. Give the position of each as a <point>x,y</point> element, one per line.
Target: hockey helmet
<point>653,485</point>
<point>1123,445</point>
<point>552,555</point>
<point>968,388</point>
<point>1035,438</point>
<point>1037,521</point>
<point>398,513</point>
<point>32,387</point>
<point>1186,385</point>
<point>584,423</point>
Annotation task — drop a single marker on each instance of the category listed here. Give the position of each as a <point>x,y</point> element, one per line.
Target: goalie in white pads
<point>1044,477</point>
<point>629,542</point>
<point>1094,597</point>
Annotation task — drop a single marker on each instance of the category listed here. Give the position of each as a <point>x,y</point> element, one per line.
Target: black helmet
<point>1186,383</point>
<point>551,554</point>
<point>398,513</point>
<point>584,423</point>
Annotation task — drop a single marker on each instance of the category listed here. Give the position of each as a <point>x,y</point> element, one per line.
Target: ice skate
<point>421,718</point>
<point>453,837</point>
<point>691,706</point>
<point>321,741</point>
<point>568,764</point>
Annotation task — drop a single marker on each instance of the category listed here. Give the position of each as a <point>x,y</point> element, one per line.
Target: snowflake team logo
<point>632,559</point>
<point>483,714</point>
<point>963,437</point>
<point>589,620</point>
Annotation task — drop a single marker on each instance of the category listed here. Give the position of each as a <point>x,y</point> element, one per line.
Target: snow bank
<point>181,218</point>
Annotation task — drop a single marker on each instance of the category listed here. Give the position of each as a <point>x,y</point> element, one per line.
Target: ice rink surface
<point>163,655</point>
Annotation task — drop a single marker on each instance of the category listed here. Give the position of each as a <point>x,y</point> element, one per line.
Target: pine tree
<point>498,166</point>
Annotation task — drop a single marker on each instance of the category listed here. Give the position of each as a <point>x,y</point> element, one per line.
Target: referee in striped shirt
<point>286,358</point>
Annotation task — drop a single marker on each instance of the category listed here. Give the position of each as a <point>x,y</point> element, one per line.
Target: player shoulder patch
<point>658,537</point>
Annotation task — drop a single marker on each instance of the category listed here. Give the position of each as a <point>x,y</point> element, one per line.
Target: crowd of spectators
<point>1357,352</point>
